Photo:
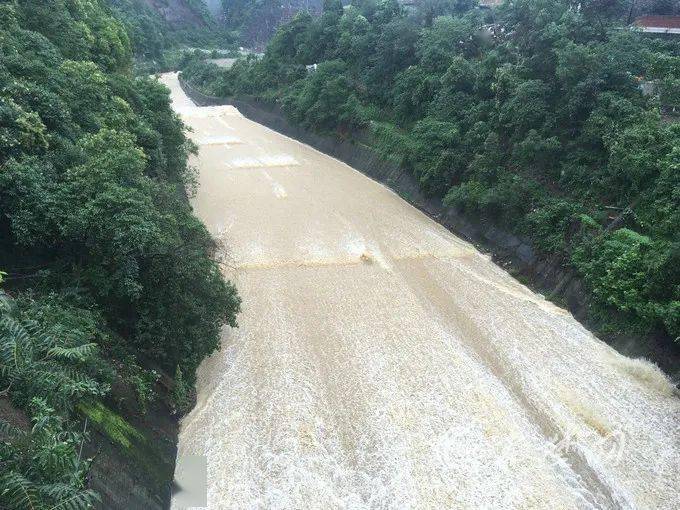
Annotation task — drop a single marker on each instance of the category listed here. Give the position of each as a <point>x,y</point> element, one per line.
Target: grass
<point>111,424</point>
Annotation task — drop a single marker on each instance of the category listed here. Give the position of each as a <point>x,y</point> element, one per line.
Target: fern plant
<point>40,469</point>
<point>46,375</point>
<point>34,362</point>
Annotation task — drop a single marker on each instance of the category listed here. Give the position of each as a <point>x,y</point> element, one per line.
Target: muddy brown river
<point>383,363</point>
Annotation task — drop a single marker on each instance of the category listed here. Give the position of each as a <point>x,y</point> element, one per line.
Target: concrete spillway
<point>383,363</point>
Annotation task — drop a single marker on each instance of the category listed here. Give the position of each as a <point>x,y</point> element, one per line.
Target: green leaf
<point>79,352</point>
<point>17,492</point>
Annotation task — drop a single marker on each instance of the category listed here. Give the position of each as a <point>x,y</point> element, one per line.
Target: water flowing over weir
<point>383,363</point>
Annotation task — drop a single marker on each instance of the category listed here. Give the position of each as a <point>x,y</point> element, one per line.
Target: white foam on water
<point>262,161</point>
<point>219,140</point>
<point>355,246</point>
<point>279,160</point>
<point>645,372</point>
<point>385,364</point>
<point>205,112</point>
<point>279,191</point>
<point>314,251</point>
<point>225,124</point>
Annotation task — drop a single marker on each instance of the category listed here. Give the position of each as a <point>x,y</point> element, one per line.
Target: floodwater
<point>383,363</point>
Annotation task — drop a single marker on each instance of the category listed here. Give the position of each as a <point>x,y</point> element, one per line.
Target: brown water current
<point>382,363</point>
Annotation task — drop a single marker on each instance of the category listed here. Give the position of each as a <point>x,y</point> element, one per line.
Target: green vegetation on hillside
<point>256,20</point>
<point>530,116</point>
<point>157,44</point>
<point>107,274</point>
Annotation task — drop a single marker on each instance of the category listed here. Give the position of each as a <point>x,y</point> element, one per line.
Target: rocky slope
<point>181,14</point>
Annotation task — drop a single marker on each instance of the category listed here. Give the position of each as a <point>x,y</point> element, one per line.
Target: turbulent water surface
<point>381,362</point>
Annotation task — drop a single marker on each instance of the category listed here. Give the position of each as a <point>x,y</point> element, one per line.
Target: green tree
<point>112,264</point>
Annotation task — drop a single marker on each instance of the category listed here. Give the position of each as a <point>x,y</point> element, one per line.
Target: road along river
<point>383,363</point>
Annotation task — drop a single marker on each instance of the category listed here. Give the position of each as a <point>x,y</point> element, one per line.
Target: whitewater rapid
<point>382,363</point>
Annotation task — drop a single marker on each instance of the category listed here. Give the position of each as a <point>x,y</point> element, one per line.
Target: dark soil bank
<point>133,453</point>
<point>137,473</point>
<point>550,277</point>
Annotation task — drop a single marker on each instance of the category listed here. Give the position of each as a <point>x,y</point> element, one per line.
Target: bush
<point>622,268</point>
<point>46,350</point>
<point>42,468</point>
<point>325,100</point>
<point>550,225</point>
<point>181,398</point>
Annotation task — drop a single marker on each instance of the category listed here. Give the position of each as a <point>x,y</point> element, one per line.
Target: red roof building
<point>659,24</point>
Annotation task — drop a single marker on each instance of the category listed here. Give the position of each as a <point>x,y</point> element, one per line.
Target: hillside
<point>155,26</point>
<point>181,13</point>
<point>257,20</point>
<point>109,297</point>
<point>214,7</point>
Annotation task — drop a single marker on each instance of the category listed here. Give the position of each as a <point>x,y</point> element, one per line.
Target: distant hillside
<point>257,20</point>
<point>156,25</point>
<point>177,14</point>
<point>182,14</point>
<point>214,7</point>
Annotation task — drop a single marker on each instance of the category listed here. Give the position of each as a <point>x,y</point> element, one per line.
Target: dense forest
<point>530,116</point>
<point>107,277</point>
<point>156,38</point>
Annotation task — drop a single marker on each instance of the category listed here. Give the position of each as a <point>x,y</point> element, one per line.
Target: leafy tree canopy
<point>110,273</point>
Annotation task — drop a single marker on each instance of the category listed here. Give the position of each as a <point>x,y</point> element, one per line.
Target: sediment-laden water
<point>383,363</point>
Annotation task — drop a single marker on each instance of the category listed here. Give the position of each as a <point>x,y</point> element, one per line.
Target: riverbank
<point>135,473</point>
<point>131,455</point>
<point>550,277</point>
